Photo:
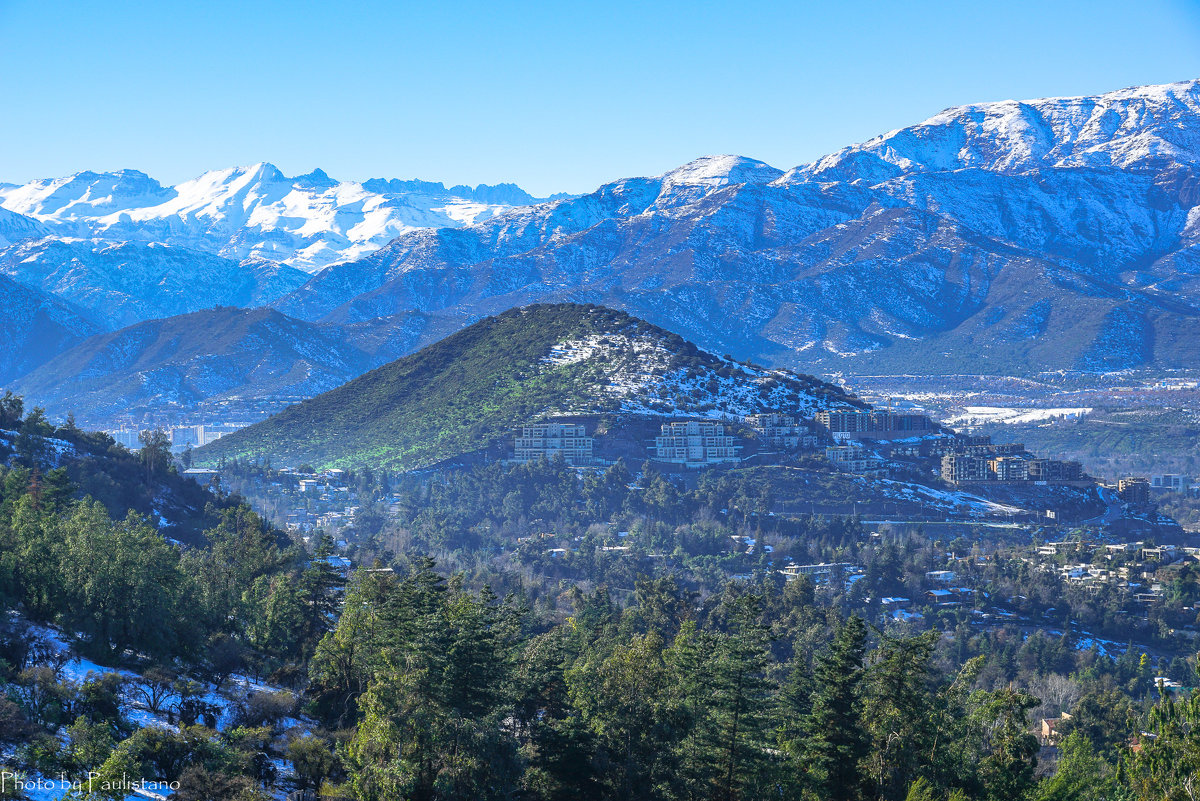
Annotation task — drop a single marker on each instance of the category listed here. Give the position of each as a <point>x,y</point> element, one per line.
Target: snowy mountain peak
<point>264,172</point>
<point>252,212</point>
<point>1148,127</point>
<point>317,179</point>
<point>84,194</point>
<point>715,171</point>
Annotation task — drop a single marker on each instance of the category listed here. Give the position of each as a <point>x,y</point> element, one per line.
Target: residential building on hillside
<point>1005,463</point>
<point>550,439</point>
<point>963,468</point>
<point>781,431</point>
<point>849,423</point>
<point>695,443</point>
<point>1134,489</point>
<point>1171,482</point>
<point>1051,470</point>
<point>995,449</point>
<point>1009,468</point>
<point>820,573</point>
<point>850,458</point>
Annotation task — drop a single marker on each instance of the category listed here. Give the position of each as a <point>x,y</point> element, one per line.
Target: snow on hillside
<point>644,377</point>
<point>240,213</point>
<point>120,283</point>
<point>982,415</point>
<point>78,669</point>
<point>1138,127</point>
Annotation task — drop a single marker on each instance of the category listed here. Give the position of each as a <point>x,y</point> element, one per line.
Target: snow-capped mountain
<point>1000,238</point>
<point>16,227</point>
<point>1060,233</point>
<point>117,284</point>
<point>1146,127</point>
<point>252,212</point>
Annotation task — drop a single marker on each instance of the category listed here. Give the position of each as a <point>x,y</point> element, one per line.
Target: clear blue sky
<point>553,96</point>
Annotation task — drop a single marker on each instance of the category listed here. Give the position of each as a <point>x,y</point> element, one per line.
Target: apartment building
<point>696,443</point>
<point>549,439</point>
<point>781,431</point>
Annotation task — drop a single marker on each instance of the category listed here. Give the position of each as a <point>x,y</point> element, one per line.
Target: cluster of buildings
<point>1007,463</point>
<point>308,502</point>
<point>1139,491</point>
<point>851,423</point>
<point>195,436</point>
<point>1140,569</point>
<point>685,443</point>
<point>822,573</point>
<point>859,437</point>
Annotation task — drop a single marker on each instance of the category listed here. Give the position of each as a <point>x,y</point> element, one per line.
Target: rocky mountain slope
<point>16,227</point>
<point>1054,234</point>
<point>254,212</point>
<point>34,327</point>
<point>459,394</point>
<point>118,284</point>
<point>215,354</point>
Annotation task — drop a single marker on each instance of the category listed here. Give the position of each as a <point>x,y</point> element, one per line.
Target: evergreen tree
<point>1081,774</point>
<point>899,701</point>
<point>320,590</point>
<point>740,697</point>
<point>431,725</point>
<point>837,742</point>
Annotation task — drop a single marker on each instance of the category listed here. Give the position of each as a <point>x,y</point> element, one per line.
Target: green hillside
<point>461,393</point>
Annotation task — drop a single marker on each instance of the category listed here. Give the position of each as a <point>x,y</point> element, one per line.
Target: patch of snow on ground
<point>636,371</point>
<point>1001,415</point>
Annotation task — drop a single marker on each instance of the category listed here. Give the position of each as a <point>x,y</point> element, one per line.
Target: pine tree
<point>321,590</point>
<point>739,702</point>
<point>837,740</point>
<point>689,660</point>
<point>899,702</point>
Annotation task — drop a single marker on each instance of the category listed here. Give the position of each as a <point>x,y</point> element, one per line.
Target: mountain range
<point>1054,234</point>
<point>253,212</point>
<point>1000,238</point>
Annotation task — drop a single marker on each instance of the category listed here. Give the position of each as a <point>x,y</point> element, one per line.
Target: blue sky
<point>555,97</point>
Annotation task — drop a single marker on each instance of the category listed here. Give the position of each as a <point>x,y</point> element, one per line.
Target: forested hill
<point>67,463</point>
<point>461,393</point>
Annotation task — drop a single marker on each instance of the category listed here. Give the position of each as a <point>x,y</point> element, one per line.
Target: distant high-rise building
<point>851,423</point>
<point>1051,470</point>
<point>1009,468</point>
<point>127,437</point>
<point>960,468</point>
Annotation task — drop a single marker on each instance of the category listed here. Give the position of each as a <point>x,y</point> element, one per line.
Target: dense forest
<point>659,656</point>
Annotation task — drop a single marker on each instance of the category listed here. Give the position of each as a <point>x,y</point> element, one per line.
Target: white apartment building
<point>568,440</point>
<point>695,443</point>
